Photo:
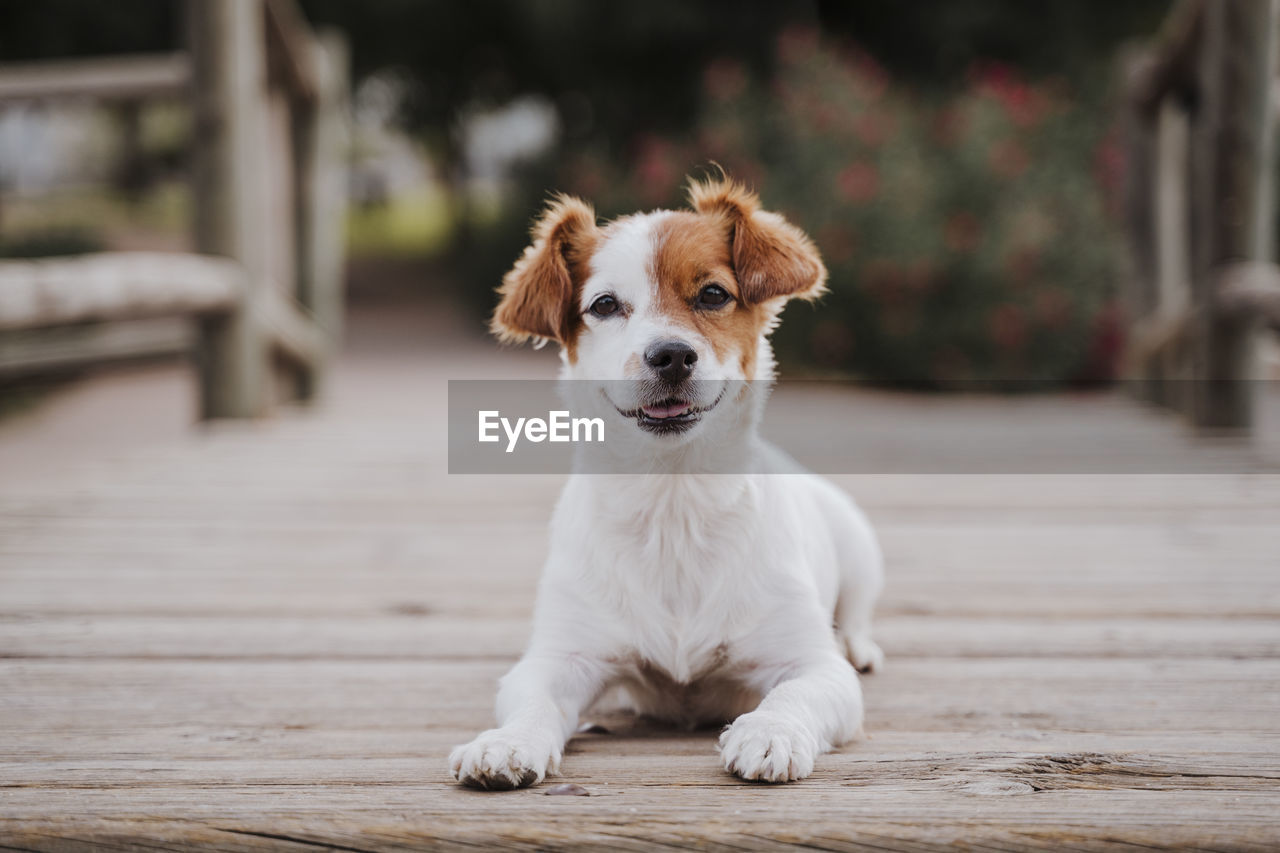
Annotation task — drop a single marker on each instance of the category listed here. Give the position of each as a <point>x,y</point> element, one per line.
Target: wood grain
<point>269,635</point>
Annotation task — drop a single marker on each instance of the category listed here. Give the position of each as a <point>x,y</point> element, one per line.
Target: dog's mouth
<point>669,415</point>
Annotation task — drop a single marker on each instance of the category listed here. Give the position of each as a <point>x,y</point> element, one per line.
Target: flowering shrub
<point>965,235</point>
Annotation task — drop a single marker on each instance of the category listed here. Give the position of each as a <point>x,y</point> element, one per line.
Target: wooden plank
<point>1179,550</point>
<point>377,490</point>
<point>880,769</point>
<point>51,350</point>
<point>202,582</point>
<point>1008,814</point>
<point>1196,696</point>
<point>115,285</point>
<point>289,47</point>
<point>328,743</point>
<point>1157,340</point>
<point>123,78</point>
<point>410,633</point>
<point>1250,291</point>
<point>669,823</point>
<point>292,331</point>
<point>1169,65</point>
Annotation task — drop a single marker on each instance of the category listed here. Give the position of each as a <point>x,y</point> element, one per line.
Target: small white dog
<point>700,597</point>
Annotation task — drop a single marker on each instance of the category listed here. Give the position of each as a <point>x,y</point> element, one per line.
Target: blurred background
<point>956,162</point>
<point>963,166</point>
<point>248,246</point>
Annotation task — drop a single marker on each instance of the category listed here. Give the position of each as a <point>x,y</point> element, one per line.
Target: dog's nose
<point>672,360</point>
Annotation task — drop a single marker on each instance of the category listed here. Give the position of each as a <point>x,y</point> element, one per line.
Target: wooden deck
<point>269,636</point>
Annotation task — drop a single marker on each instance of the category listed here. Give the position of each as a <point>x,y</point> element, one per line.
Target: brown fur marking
<point>540,293</point>
<point>691,251</point>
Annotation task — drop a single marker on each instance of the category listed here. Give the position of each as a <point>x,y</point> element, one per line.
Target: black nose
<point>672,360</point>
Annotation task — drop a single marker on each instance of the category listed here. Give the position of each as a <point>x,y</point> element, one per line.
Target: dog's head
<point>677,304</point>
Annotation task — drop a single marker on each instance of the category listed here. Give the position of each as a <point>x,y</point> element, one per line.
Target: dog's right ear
<point>540,291</point>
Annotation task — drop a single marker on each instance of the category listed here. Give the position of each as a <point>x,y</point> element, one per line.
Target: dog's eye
<point>605,305</point>
<point>713,296</point>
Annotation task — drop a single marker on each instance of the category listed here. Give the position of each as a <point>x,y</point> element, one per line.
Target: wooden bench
<point>261,306</point>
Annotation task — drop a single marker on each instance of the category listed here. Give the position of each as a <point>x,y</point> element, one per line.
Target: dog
<point>688,593</point>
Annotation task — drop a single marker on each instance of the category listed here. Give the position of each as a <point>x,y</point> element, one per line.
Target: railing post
<point>227,44</point>
<point>1231,173</point>
<point>1173,286</point>
<point>1139,139</point>
<point>320,134</point>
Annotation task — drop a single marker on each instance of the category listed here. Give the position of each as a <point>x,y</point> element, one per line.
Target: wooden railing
<point>1201,110</point>
<point>268,184</point>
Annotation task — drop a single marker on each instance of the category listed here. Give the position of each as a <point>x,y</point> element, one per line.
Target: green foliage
<point>965,234</point>
<point>408,224</point>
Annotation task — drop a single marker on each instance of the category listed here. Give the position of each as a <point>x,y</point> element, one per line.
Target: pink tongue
<point>673,411</point>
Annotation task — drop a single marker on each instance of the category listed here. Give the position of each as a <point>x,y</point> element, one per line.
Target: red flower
<point>859,182</point>
<point>1008,327</point>
<point>1109,170</point>
<point>824,117</point>
<point>919,277</point>
<point>1106,345</point>
<point>1021,265</point>
<point>1025,106</point>
<point>962,233</point>
<point>873,80</point>
<point>989,74</point>
<point>1008,158</point>
<point>1051,308</point>
<point>872,129</point>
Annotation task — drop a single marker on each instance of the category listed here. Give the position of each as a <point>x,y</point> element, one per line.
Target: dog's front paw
<point>767,748</point>
<point>501,759</point>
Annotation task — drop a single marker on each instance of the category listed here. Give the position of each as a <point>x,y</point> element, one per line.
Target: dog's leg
<point>798,720</point>
<point>861,580</point>
<point>853,622</point>
<point>538,707</point>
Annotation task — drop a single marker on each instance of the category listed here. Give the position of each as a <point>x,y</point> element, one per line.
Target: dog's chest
<point>671,650</point>
<point>689,588</point>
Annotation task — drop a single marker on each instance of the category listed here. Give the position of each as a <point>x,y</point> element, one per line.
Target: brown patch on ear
<point>771,257</point>
<point>539,294</point>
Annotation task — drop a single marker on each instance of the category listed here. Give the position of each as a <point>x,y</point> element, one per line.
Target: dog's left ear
<point>771,257</point>
<point>538,293</point>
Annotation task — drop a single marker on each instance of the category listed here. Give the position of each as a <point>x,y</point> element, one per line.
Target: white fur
<point>692,598</point>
